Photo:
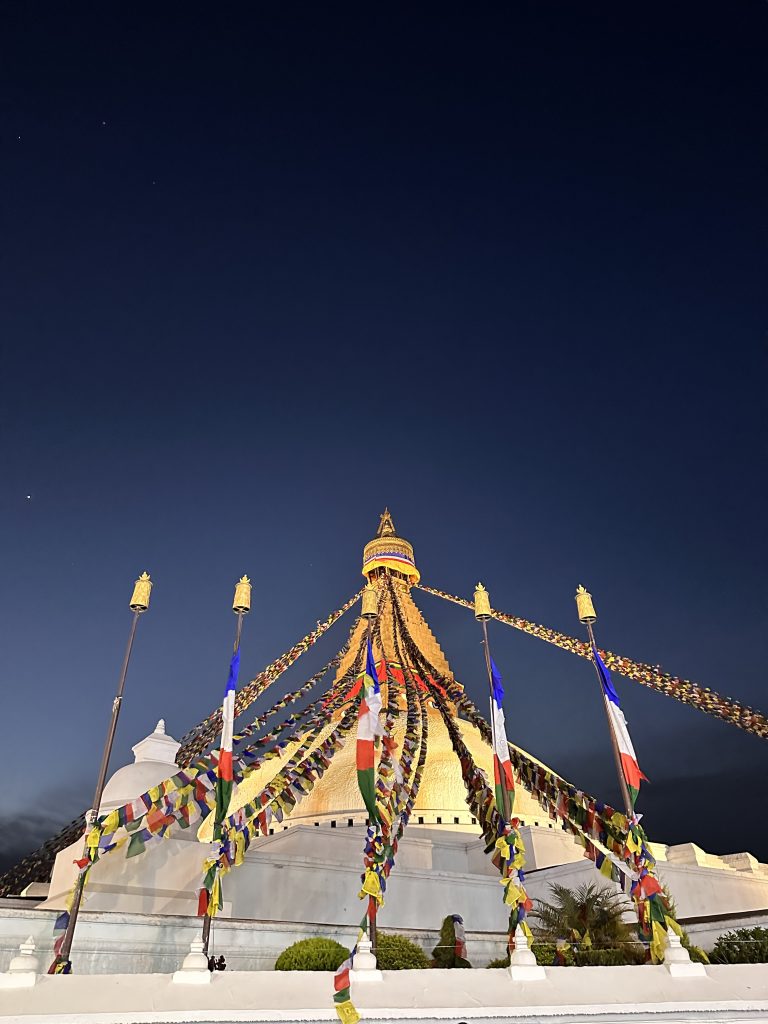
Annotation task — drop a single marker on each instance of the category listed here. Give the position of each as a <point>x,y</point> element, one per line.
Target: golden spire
<point>390,553</point>
<point>386,526</point>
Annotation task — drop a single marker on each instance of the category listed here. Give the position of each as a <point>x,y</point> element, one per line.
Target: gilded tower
<point>441,801</point>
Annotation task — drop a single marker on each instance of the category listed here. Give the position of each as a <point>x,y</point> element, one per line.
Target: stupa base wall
<point>638,994</point>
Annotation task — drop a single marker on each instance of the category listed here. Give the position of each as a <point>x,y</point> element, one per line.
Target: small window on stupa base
<point>350,822</point>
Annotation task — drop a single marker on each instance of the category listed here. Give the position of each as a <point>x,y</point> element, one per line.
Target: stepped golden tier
<point>442,797</point>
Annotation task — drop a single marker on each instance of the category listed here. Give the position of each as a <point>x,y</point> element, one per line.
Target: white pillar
<point>194,970</point>
<point>522,963</point>
<point>678,961</point>
<point>364,966</point>
<point>23,969</point>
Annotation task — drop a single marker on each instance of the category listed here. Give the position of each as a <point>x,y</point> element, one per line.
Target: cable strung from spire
<point>683,690</point>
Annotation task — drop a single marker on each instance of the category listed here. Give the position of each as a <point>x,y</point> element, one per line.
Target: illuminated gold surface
<point>482,603</point>
<point>141,593</point>
<point>584,605</point>
<point>242,601</point>
<point>442,794</point>
<point>388,551</point>
<point>370,605</point>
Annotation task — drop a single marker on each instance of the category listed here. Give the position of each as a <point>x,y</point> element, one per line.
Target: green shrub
<point>630,954</point>
<point>742,946</point>
<point>501,962</point>
<point>312,955</point>
<point>444,952</point>
<point>697,955</point>
<point>544,953</point>
<point>396,953</point>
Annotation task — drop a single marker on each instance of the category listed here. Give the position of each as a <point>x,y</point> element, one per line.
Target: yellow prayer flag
<point>347,1013</point>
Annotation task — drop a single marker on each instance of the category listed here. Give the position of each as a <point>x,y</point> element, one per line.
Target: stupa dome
<point>154,761</point>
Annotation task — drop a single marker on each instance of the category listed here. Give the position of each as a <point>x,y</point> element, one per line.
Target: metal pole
<point>93,814</point>
<point>504,794</point>
<point>207,918</point>
<point>371,917</point>
<point>616,755</point>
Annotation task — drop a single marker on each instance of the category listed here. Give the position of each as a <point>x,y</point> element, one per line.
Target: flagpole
<point>588,615</point>
<point>138,604</point>
<point>369,611</point>
<point>241,605</point>
<point>482,614</point>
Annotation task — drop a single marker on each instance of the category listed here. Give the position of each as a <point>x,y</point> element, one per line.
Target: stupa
<point>442,798</point>
<point>298,873</point>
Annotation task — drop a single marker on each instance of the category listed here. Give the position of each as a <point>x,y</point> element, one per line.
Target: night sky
<point>501,268</point>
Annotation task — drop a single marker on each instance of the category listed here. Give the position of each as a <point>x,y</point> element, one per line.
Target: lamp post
<point>588,615</point>
<point>369,611</point>
<point>138,604</point>
<point>482,614</point>
<point>241,605</point>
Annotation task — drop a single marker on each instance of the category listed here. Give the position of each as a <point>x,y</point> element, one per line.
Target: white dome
<point>155,761</point>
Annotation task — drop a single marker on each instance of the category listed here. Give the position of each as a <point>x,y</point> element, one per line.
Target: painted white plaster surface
<point>312,874</point>
<point>733,993</point>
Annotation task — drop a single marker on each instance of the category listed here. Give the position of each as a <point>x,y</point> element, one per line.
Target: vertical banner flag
<point>368,728</point>
<point>629,765</point>
<point>502,766</point>
<point>224,772</point>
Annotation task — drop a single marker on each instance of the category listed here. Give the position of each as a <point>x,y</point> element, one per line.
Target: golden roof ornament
<point>386,526</point>
<point>391,555</point>
<point>584,606</point>
<point>242,601</point>
<point>482,603</point>
<point>141,591</point>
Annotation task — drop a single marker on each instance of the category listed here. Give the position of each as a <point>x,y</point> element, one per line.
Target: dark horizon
<point>504,272</point>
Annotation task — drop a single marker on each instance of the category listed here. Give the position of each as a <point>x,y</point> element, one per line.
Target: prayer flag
<point>629,766</point>
<point>224,768</point>
<point>502,766</point>
<point>368,728</point>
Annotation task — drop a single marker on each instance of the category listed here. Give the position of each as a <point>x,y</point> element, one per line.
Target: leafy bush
<point>501,962</point>
<point>312,955</point>
<point>696,953</point>
<point>742,946</point>
<point>632,953</point>
<point>590,908</point>
<point>444,952</point>
<point>544,953</point>
<point>396,953</point>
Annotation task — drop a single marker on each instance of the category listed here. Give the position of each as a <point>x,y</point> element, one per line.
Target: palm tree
<point>589,910</point>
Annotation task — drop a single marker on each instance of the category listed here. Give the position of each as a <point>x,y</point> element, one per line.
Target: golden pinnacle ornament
<point>584,606</point>
<point>141,591</point>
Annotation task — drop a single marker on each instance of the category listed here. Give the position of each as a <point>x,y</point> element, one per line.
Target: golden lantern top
<point>242,601</point>
<point>482,603</point>
<point>370,608</point>
<point>389,554</point>
<point>584,605</point>
<point>141,591</point>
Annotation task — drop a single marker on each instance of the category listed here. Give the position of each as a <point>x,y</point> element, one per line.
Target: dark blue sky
<point>265,272</point>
